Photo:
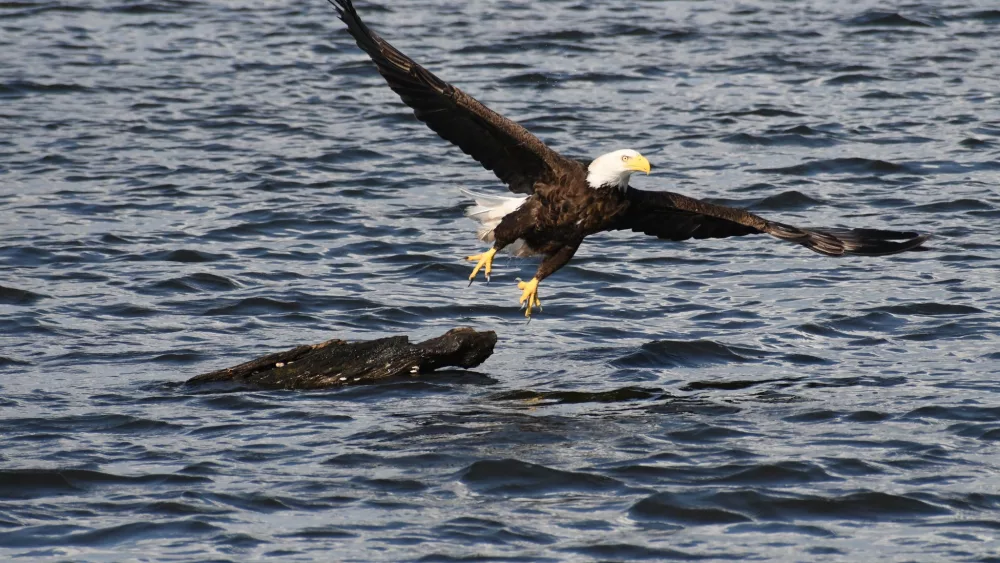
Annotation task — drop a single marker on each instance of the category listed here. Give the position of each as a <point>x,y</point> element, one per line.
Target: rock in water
<point>338,362</point>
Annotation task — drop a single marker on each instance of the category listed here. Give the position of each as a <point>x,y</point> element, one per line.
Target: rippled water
<point>186,185</point>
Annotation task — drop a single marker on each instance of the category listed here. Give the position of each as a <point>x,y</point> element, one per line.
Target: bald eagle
<point>562,200</point>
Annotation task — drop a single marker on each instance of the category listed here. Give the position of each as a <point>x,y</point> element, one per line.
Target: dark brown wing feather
<point>516,156</point>
<point>676,217</point>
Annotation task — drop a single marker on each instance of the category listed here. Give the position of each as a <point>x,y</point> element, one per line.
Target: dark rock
<point>337,362</point>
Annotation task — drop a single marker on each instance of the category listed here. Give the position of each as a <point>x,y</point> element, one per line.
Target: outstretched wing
<point>676,217</point>
<point>516,156</point>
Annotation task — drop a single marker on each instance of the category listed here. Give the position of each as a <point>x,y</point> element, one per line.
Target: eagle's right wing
<point>516,156</point>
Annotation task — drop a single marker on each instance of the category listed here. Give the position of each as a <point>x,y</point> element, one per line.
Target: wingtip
<point>342,7</point>
<point>357,28</point>
<point>918,242</point>
<point>340,11</point>
<point>858,242</point>
<point>887,246</point>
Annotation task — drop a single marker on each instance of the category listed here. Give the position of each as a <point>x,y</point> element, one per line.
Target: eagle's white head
<point>615,168</point>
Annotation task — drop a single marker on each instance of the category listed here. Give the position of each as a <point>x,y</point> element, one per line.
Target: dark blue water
<point>186,185</point>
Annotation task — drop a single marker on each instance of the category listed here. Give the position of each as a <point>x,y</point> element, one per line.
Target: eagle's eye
<point>624,158</point>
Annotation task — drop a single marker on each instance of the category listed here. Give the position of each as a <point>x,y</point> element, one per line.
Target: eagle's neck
<point>598,178</point>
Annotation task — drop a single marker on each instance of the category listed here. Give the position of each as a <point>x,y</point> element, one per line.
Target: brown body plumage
<point>556,219</point>
<point>565,203</point>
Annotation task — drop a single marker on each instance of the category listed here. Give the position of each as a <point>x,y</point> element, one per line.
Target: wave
<point>854,165</point>
<point>876,18</point>
<point>15,296</point>
<point>40,483</point>
<point>511,476</point>
<point>727,507</point>
<point>680,353</point>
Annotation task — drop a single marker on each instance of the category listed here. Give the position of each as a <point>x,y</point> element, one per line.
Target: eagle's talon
<point>483,260</point>
<point>529,296</point>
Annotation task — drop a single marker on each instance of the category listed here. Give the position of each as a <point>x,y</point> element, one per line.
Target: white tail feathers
<point>489,210</point>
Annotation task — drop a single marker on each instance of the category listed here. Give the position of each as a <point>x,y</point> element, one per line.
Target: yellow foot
<point>529,298</point>
<point>485,259</point>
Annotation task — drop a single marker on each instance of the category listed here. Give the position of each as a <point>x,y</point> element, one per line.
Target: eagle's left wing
<point>673,216</point>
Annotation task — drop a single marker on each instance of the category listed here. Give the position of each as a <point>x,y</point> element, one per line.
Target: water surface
<point>186,185</point>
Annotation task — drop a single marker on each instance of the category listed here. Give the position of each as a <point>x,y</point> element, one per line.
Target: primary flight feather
<point>563,200</point>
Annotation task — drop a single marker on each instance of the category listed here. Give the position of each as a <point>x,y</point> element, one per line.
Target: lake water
<point>187,185</point>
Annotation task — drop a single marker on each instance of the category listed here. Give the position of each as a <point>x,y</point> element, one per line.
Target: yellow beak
<point>639,164</point>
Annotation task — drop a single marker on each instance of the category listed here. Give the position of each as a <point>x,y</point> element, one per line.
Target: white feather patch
<point>489,210</point>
